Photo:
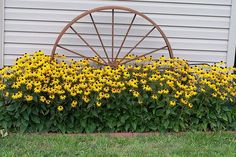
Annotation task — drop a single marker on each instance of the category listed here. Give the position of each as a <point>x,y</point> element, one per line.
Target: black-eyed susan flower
<point>74,103</point>
<point>172,103</point>
<point>60,108</point>
<point>98,104</point>
<point>28,98</point>
<point>42,99</point>
<point>154,97</point>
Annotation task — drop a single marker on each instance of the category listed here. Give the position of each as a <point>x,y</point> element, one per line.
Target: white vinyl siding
<point>1,33</point>
<point>198,30</point>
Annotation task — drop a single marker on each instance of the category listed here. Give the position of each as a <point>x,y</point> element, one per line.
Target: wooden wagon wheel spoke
<point>99,36</point>
<point>144,54</point>
<point>87,44</point>
<point>112,53</point>
<point>121,46</point>
<point>112,58</point>
<point>79,54</point>
<point>137,44</point>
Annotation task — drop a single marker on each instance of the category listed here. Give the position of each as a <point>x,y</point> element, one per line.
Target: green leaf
<point>90,128</point>
<point>1,103</point>
<point>40,126</point>
<point>110,124</point>
<point>134,125</point>
<point>11,108</point>
<point>26,116</point>
<point>226,108</point>
<point>94,113</point>
<point>61,127</point>
<point>17,115</point>
<point>83,123</point>
<point>145,110</point>
<point>127,126</point>
<point>24,107</point>
<point>176,127</point>
<point>122,119</point>
<point>23,128</point>
<point>89,105</point>
<point>166,123</point>
<point>35,119</point>
<point>4,125</point>
<point>224,117</point>
<point>153,127</point>
<point>167,112</point>
<point>160,104</point>
<point>43,107</point>
<point>233,125</point>
<point>35,111</point>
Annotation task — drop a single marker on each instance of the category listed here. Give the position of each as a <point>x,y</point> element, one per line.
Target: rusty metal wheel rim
<point>113,61</point>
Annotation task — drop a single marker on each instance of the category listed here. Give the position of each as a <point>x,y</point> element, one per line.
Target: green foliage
<point>40,95</point>
<point>121,114</point>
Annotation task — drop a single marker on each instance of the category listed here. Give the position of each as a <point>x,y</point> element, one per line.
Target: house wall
<point>198,30</point>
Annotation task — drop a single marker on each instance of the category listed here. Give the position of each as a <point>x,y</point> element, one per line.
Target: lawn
<point>186,144</point>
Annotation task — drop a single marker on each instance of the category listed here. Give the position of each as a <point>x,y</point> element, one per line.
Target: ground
<point>173,145</point>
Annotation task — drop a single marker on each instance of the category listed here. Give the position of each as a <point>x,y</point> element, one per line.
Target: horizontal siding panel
<point>194,44</point>
<point>137,30</point>
<point>208,2</point>
<point>20,49</point>
<point>101,17</point>
<point>156,8</point>
<point>194,56</point>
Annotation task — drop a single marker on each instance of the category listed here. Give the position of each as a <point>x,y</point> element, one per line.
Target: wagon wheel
<point>112,58</point>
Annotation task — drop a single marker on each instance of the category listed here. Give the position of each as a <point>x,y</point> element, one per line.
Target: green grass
<point>173,145</point>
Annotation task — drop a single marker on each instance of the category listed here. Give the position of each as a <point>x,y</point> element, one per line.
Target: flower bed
<point>162,95</point>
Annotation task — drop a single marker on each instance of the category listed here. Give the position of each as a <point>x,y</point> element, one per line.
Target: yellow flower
<point>172,103</point>
<point>6,94</point>
<point>86,99</point>
<point>154,97</point>
<point>214,94</point>
<point>74,103</point>
<point>203,90</point>
<point>60,108</point>
<point>52,96</point>
<point>106,89</point>
<point>176,95</point>
<point>184,101</point>
<point>190,105</point>
<point>28,98</point>
<point>37,90</point>
<point>42,99</point>
<point>107,95</point>
<point>135,94</point>
<point>17,95</point>
<point>86,92</point>
<point>222,97</point>
<point>98,104</point>
<point>62,97</point>
<point>164,91</point>
<point>48,102</point>
<point>147,88</point>
<point>143,81</point>
<point>140,101</point>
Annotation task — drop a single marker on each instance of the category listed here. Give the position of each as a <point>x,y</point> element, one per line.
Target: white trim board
<point>232,36</point>
<point>2,33</point>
